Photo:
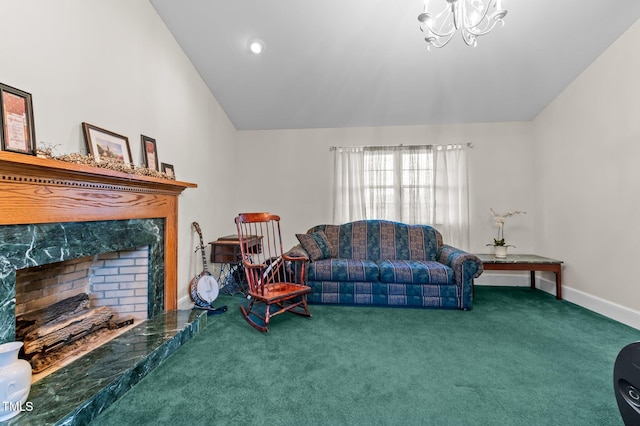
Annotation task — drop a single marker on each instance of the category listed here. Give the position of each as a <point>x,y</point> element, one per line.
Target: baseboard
<point>604,307</point>
<point>185,303</point>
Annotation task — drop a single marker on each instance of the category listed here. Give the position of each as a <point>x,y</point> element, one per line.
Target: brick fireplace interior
<point>117,282</point>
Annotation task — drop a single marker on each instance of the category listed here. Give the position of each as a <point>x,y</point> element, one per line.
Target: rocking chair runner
<point>275,279</point>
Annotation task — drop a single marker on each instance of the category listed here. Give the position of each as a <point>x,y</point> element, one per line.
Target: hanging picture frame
<point>168,169</point>
<point>104,144</point>
<point>150,153</point>
<point>17,129</point>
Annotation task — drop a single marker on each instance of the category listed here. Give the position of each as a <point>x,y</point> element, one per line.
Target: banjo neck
<point>204,257</point>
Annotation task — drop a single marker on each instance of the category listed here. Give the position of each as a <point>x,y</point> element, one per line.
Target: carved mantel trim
<point>41,190</point>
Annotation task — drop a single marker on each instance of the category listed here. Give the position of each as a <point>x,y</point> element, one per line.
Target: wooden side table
<point>226,250</point>
<point>525,262</point>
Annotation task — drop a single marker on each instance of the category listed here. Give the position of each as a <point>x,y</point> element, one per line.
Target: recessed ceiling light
<point>256,46</point>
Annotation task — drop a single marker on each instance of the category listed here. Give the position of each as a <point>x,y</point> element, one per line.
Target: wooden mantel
<point>41,190</point>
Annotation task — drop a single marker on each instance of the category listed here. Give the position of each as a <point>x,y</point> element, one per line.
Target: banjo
<point>204,288</point>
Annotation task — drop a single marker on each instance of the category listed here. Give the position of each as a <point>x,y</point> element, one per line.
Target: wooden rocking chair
<point>275,280</point>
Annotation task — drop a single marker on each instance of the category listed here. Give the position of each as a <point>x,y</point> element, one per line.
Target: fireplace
<point>34,245</point>
<point>52,211</point>
<point>119,287</point>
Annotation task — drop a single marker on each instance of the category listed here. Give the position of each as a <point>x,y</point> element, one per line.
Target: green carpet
<point>519,357</point>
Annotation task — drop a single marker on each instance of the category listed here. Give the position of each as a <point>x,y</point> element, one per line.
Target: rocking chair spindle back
<point>272,285</point>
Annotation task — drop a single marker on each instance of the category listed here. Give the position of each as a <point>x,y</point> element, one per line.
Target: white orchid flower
<point>499,219</point>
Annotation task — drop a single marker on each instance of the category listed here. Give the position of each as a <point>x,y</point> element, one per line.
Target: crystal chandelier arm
<point>437,33</point>
<point>493,21</point>
<point>436,36</point>
<point>490,23</point>
<point>437,42</point>
<point>469,39</point>
<point>466,17</point>
<point>489,20</point>
<point>436,23</point>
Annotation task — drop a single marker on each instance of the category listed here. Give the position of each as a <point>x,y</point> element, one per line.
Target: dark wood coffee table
<point>525,262</point>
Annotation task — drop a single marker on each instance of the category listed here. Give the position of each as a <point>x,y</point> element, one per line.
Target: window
<point>398,184</point>
<point>412,184</point>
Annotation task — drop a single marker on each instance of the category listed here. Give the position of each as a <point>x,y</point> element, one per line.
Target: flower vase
<point>15,380</point>
<point>500,252</point>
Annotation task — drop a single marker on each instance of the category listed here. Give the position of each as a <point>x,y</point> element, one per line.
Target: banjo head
<point>207,289</point>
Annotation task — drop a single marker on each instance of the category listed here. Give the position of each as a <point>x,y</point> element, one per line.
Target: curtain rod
<point>333,148</point>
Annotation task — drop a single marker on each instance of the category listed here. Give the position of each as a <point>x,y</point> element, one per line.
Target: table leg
<point>559,283</point>
<point>533,279</point>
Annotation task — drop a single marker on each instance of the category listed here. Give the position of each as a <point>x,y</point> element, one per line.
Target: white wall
<point>574,169</point>
<point>294,171</point>
<point>587,154</point>
<point>114,64</point>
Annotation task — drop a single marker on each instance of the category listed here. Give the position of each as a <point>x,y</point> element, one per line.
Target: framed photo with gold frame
<point>149,153</point>
<point>18,132</point>
<point>105,145</point>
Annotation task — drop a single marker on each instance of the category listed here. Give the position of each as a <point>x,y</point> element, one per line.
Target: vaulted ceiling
<point>349,63</point>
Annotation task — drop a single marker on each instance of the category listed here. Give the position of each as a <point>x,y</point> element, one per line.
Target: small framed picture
<point>168,169</point>
<point>104,144</point>
<point>18,131</point>
<point>150,153</point>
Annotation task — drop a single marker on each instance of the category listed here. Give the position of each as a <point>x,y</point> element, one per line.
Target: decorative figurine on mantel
<point>499,244</point>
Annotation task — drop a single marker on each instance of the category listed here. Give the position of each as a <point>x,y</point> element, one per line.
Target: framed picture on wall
<point>168,169</point>
<point>150,153</point>
<point>18,132</point>
<point>105,145</point>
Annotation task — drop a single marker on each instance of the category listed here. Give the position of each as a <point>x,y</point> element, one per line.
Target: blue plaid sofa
<point>377,262</point>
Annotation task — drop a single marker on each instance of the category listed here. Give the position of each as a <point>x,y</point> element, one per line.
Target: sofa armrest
<point>298,259</point>
<point>466,267</point>
<point>297,251</point>
<point>456,259</point>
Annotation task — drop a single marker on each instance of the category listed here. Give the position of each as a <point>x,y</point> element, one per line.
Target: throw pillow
<point>316,244</point>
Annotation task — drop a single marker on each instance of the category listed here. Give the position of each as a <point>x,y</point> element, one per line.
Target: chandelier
<point>442,18</point>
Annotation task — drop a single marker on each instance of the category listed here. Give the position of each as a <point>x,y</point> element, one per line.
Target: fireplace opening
<point>66,309</point>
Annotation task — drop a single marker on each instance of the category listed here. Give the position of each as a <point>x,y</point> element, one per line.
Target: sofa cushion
<point>332,233</point>
<point>382,239</point>
<point>415,272</point>
<point>343,270</point>
<point>376,293</point>
<point>425,295</point>
<point>317,245</point>
<point>367,293</point>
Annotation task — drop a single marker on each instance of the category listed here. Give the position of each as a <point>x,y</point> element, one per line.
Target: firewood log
<point>67,330</point>
<point>26,323</point>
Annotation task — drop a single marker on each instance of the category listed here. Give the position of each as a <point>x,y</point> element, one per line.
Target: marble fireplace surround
<point>24,246</point>
<point>52,211</point>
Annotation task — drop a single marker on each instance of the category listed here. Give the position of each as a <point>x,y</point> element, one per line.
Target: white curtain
<point>348,179</point>
<point>451,206</point>
<point>424,184</point>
